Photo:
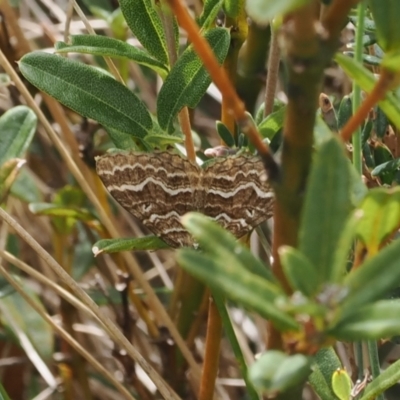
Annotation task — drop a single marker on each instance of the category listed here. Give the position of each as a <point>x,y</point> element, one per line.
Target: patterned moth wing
<point>237,195</point>
<point>157,188</point>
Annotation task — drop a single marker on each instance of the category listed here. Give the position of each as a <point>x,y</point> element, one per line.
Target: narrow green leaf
<point>209,13</point>
<point>110,47</point>
<point>223,246</point>
<point>61,211</point>
<point>231,335</point>
<point>301,274</point>
<point>381,123</point>
<point>162,141</point>
<point>276,371</point>
<point>145,23</point>
<point>18,314</point>
<point>387,167</point>
<point>345,111</point>
<point>326,362</point>
<point>387,378</point>
<point>225,134</point>
<point>341,384</point>
<point>188,80</point>
<point>264,11</point>
<point>386,16</point>
<point>17,127</point>
<point>372,322</point>
<point>381,217</point>
<point>328,194</point>
<point>89,92</point>
<point>272,124</point>
<point>366,80</point>
<point>383,270</point>
<point>3,393</point>
<point>147,243</point>
<point>238,284</point>
<point>8,174</point>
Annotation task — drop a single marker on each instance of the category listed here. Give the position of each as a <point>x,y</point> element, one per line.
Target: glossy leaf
<point>145,23</point>
<point>147,243</point>
<point>301,274</point>
<point>328,194</point>
<point>188,80</point>
<point>366,80</point>
<point>109,47</point>
<point>276,371</point>
<point>386,16</point>
<point>223,245</point>
<point>383,270</point>
<point>326,362</point>
<point>89,92</point>
<point>17,127</point>
<point>341,384</point>
<point>372,322</point>
<point>264,11</point>
<point>381,217</point>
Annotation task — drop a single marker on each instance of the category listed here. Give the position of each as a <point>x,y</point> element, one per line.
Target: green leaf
<point>61,211</point>
<point>238,284</point>
<point>162,141</point>
<point>225,134</point>
<point>272,124</point>
<point>3,393</point>
<point>276,371</point>
<point>381,123</point>
<point>89,92</point>
<point>147,243</point>
<point>386,16</point>
<point>233,8</point>
<point>17,127</point>
<point>386,167</point>
<point>301,274</point>
<point>371,322</point>
<point>366,80</point>
<point>383,270</point>
<point>209,13</point>
<point>381,217</point>
<point>109,47</point>
<point>8,175</point>
<point>326,362</point>
<point>25,187</point>
<point>223,246</point>
<point>188,80</point>
<point>18,313</point>
<point>328,194</point>
<point>145,23</point>
<point>387,378</point>
<point>341,384</point>
<point>264,11</point>
<point>345,111</point>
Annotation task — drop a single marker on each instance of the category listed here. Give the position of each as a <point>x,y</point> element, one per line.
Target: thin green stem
<point>374,361</point>
<point>230,333</point>
<point>358,52</point>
